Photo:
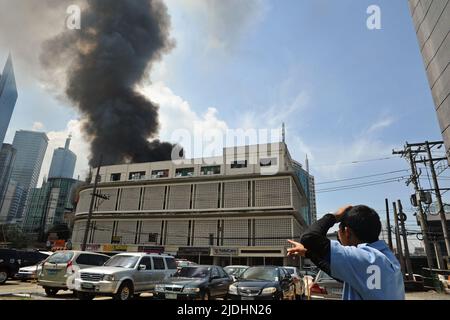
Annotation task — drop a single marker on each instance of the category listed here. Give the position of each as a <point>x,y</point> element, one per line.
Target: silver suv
<point>125,275</point>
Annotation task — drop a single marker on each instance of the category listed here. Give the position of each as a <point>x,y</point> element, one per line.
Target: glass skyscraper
<point>8,97</point>
<point>31,147</point>
<point>7,157</point>
<point>63,162</point>
<point>432,26</point>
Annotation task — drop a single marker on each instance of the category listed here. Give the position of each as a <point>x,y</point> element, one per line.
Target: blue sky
<point>345,92</point>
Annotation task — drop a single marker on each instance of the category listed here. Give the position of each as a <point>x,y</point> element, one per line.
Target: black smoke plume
<point>102,63</point>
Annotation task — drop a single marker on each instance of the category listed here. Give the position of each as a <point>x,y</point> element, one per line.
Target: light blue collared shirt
<point>369,271</point>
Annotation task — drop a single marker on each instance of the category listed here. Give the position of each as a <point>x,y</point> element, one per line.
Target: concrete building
<point>8,97</point>
<point>48,204</point>
<point>63,162</point>
<point>432,25</point>
<point>31,147</point>
<point>14,197</point>
<point>239,208</point>
<point>7,157</point>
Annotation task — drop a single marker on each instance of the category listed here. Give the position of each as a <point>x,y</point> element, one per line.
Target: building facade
<point>63,162</point>
<point>432,25</point>
<point>31,147</point>
<point>308,183</point>
<point>48,204</point>
<point>236,209</point>
<point>7,157</point>
<point>8,97</point>
<point>14,197</point>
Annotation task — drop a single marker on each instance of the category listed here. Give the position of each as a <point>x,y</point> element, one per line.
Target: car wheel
<point>125,292</point>
<point>3,276</point>
<point>84,296</point>
<point>51,292</point>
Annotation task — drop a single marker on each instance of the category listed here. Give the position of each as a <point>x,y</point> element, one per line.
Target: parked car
<point>125,275</point>
<point>325,287</point>
<point>184,263</point>
<point>195,283</point>
<point>31,272</point>
<point>9,264</point>
<point>298,281</point>
<point>59,270</point>
<point>235,271</point>
<point>263,283</point>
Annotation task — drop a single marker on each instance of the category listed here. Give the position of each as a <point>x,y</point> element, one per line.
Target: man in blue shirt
<point>368,268</point>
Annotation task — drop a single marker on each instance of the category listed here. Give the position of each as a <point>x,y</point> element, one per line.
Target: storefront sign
<point>93,247</point>
<point>151,249</point>
<point>193,251</point>
<point>114,247</point>
<point>225,252</point>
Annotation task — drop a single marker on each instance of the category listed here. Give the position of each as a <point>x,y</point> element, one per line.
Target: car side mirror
<point>142,267</point>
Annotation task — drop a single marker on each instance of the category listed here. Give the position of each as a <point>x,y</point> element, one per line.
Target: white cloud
<point>381,124</point>
<point>38,126</point>
<point>224,23</point>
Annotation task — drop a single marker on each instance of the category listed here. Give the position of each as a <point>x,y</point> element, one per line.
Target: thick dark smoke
<point>102,63</point>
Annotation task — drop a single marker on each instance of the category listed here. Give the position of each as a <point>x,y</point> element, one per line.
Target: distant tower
<point>307,163</point>
<point>8,97</point>
<point>284,133</point>
<point>63,162</point>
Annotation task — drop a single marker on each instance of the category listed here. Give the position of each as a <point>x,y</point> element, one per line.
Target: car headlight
<point>191,290</point>
<point>232,289</point>
<point>269,290</point>
<point>108,277</point>
<point>159,287</point>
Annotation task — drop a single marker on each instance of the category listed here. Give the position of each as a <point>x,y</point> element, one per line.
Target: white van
<point>125,275</point>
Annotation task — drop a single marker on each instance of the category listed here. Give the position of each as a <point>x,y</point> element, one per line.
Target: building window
<point>153,237</point>
<point>158,174</point>
<point>184,172</point>
<point>136,175</point>
<point>116,177</point>
<point>239,164</point>
<point>209,171</point>
<point>268,162</point>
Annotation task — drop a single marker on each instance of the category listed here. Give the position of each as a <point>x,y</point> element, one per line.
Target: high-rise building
<point>432,25</point>
<point>47,204</point>
<point>8,97</point>
<point>63,162</point>
<point>31,147</point>
<point>14,197</point>
<point>7,157</point>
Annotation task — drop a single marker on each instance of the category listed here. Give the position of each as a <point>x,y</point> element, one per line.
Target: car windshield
<point>235,271</point>
<point>128,262</point>
<point>193,272</point>
<point>60,257</point>
<point>291,271</point>
<point>260,273</point>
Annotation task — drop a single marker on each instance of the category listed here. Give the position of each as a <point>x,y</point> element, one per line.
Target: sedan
<point>263,283</point>
<point>325,287</point>
<point>195,283</point>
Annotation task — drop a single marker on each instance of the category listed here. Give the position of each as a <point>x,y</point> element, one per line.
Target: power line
<point>362,185</point>
<point>362,177</point>
<point>355,162</point>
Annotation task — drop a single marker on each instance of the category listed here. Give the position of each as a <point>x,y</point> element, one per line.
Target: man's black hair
<point>364,222</point>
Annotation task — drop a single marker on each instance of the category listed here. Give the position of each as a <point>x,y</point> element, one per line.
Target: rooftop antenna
<point>283,133</point>
<point>68,142</point>
<point>307,163</point>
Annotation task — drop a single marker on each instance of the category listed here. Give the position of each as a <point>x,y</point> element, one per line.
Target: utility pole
<point>402,219</point>
<point>439,199</point>
<point>397,239</point>
<point>388,225</point>
<point>94,195</point>
<point>407,152</point>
